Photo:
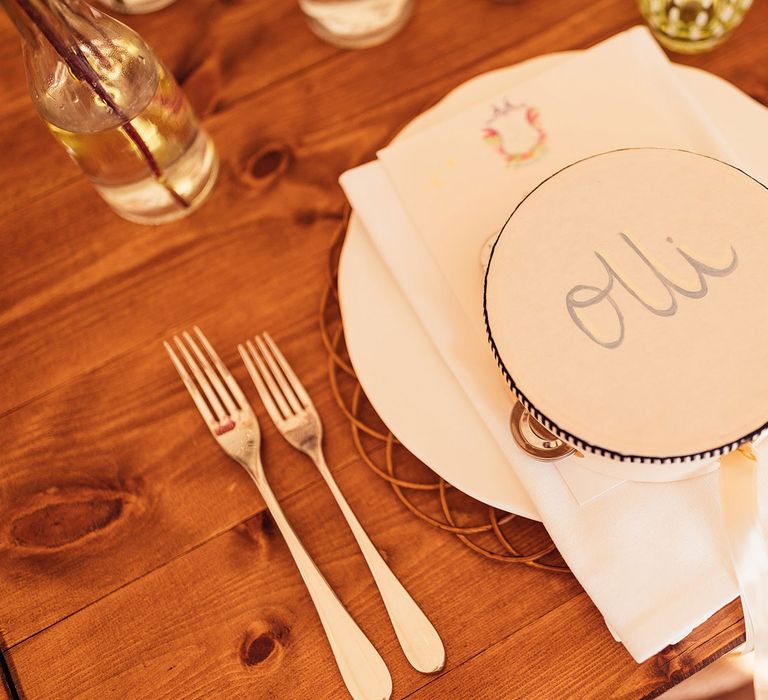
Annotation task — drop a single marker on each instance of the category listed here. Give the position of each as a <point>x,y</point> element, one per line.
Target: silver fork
<point>233,424</point>
<point>293,413</point>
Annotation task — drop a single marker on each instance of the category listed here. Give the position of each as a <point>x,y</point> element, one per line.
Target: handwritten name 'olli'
<point>584,296</point>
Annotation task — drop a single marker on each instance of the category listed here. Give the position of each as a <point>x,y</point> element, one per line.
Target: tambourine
<point>626,303</point>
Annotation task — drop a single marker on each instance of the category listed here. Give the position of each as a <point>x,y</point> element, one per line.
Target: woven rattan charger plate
<point>486,530</point>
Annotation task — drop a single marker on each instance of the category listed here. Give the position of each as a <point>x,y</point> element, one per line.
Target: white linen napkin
<point>653,557</point>
<point>458,187</point>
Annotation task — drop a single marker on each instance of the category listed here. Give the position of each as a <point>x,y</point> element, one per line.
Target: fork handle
<point>418,638</point>
<point>362,668</point>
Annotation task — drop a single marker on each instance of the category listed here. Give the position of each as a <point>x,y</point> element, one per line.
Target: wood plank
<point>243,36</point>
<point>558,653</point>
<point>114,474</point>
<point>201,625</point>
<point>184,35</point>
<point>240,36</point>
<point>5,692</point>
<point>243,39</point>
<point>53,280</point>
<point>90,508</point>
<point>252,44</point>
<point>232,617</point>
<point>122,286</point>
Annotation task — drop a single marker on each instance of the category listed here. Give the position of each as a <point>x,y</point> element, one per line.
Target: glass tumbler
<point>356,24</point>
<point>136,7</point>
<point>693,26</point>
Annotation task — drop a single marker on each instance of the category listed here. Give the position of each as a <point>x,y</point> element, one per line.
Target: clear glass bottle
<point>115,108</point>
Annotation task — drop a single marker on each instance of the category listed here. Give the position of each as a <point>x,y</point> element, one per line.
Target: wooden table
<point>135,559</point>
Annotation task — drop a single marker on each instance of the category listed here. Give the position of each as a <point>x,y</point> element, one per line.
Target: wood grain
<point>5,693</point>
<point>559,662</point>
<point>114,476</point>
<point>200,620</point>
<point>134,558</point>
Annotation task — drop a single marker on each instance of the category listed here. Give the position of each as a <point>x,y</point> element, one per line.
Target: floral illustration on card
<point>515,132</point>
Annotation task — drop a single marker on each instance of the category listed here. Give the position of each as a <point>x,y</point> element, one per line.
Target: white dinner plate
<point>399,368</point>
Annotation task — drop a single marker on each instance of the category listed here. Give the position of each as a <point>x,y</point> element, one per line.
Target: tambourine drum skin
<point>626,302</point>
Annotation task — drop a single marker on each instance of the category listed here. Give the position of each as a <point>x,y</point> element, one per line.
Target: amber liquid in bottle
<point>168,127</point>
<point>115,108</point>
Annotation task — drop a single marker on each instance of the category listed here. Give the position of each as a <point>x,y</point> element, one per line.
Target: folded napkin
<point>652,556</point>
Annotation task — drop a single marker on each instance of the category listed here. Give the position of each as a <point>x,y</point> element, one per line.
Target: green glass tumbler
<point>693,26</point>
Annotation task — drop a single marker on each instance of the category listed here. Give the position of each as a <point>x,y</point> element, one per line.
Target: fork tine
<point>231,382</point>
<point>296,384</point>
<point>222,393</point>
<point>264,395</point>
<point>269,380</point>
<point>194,392</point>
<point>279,378</point>
<point>210,394</point>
